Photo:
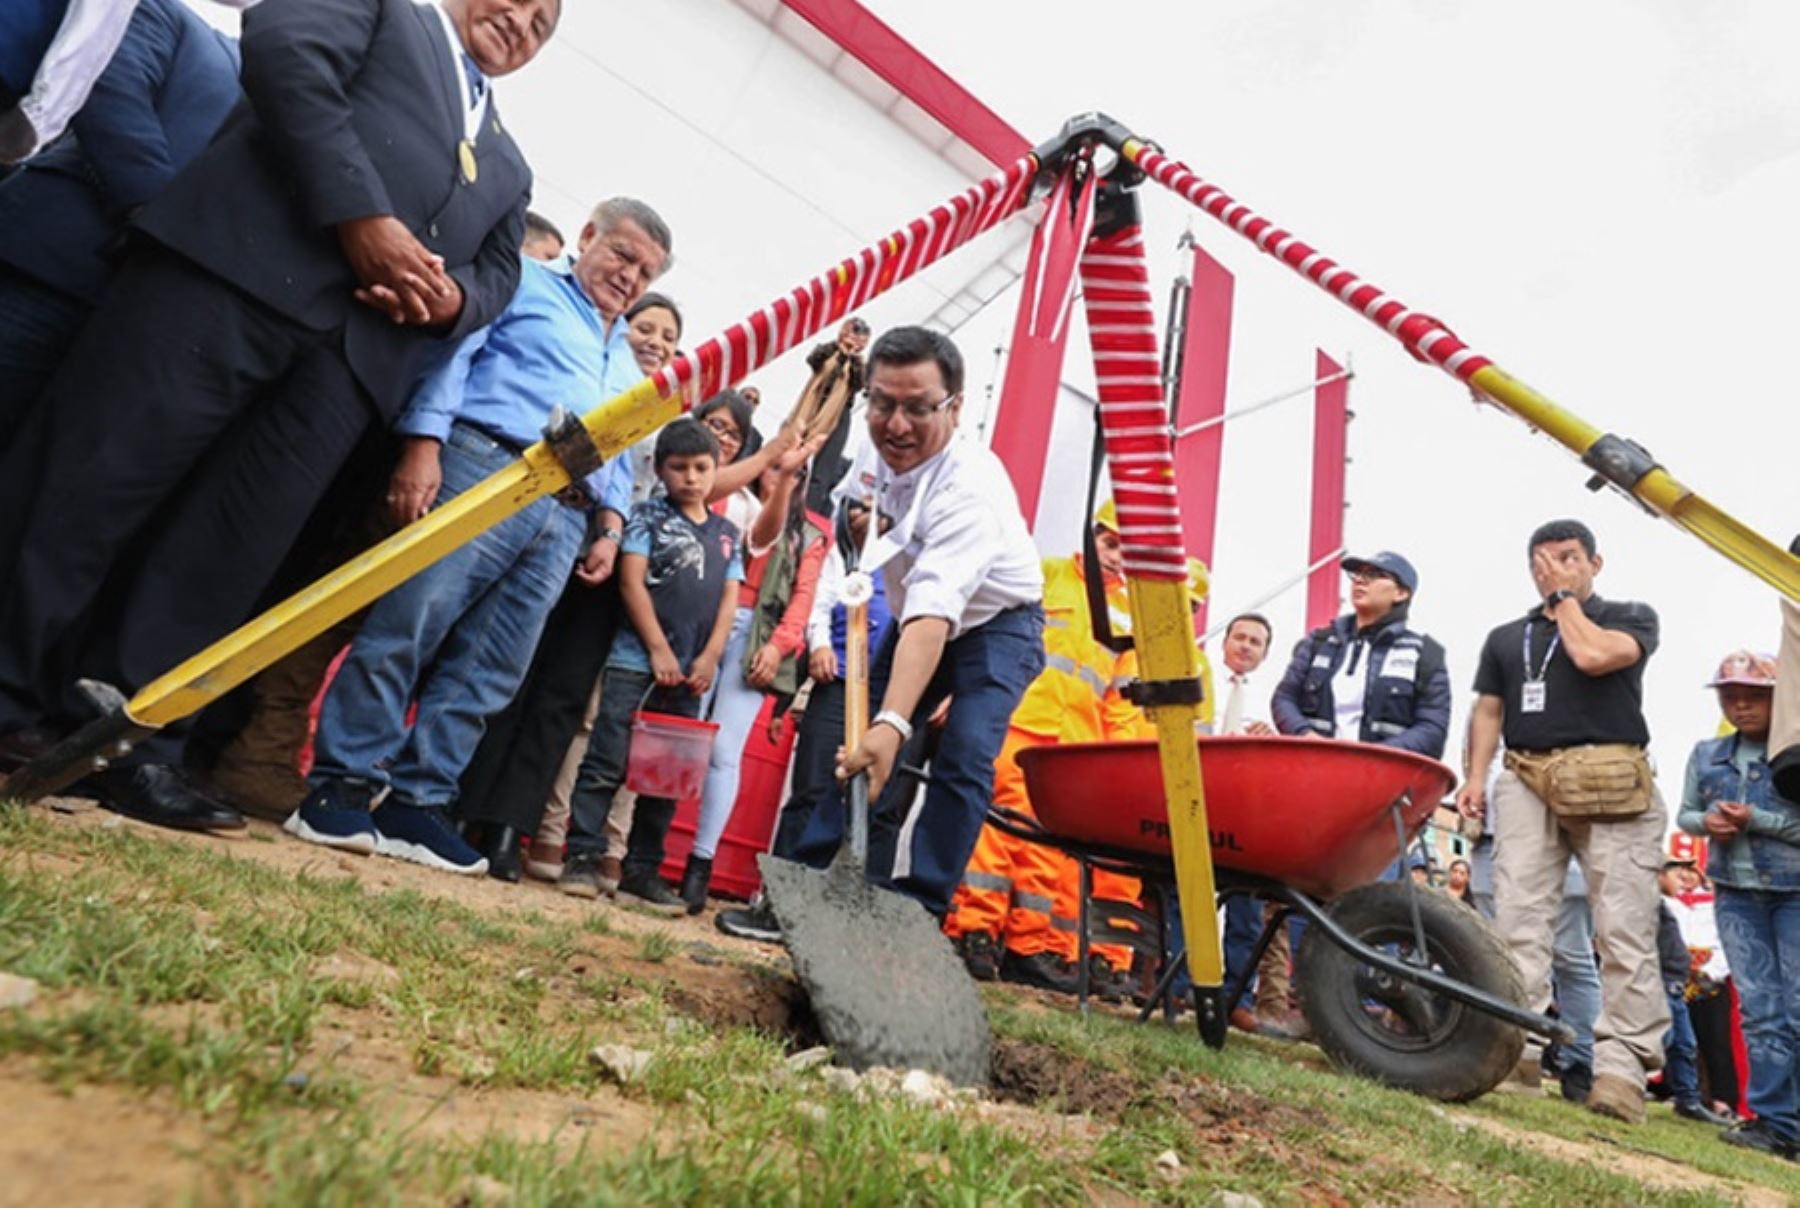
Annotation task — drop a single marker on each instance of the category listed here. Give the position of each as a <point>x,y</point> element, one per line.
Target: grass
<point>222,986</point>
<point>655,947</point>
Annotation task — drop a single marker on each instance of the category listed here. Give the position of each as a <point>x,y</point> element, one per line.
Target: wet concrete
<point>885,984</point>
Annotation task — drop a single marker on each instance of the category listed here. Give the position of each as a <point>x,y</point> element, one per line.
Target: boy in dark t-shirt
<point>677,565</point>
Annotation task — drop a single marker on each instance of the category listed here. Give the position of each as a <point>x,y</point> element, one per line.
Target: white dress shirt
<point>1232,721</point>
<point>825,598</point>
<point>958,548</point>
<point>1348,690</point>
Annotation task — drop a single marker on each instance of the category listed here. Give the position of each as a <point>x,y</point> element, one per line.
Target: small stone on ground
<point>16,991</point>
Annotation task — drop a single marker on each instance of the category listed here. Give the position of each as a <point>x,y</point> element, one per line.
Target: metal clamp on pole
<point>1092,129</point>
<point>573,447</point>
<point>1148,694</point>
<point>1619,462</point>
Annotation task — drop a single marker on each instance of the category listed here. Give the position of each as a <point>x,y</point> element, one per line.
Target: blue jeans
<point>1681,1052</point>
<point>1243,927</point>
<point>623,691</point>
<point>1761,933</point>
<point>1574,975</point>
<point>458,635</point>
<point>921,849</point>
<point>735,705</point>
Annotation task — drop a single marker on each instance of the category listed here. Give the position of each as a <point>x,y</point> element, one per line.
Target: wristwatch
<point>610,534</point>
<point>1557,597</point>
<point>887,717</point>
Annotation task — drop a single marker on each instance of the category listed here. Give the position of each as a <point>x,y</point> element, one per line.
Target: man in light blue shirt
<point>459,635</point>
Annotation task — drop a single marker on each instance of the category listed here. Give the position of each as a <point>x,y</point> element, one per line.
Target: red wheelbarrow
<point>1403,985</point>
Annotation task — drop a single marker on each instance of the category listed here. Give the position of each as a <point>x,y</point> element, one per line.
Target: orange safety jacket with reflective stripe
<point>1077,697</point>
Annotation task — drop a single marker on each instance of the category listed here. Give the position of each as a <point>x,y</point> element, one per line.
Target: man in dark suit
<point>359,213</point>
<point>160,100</point>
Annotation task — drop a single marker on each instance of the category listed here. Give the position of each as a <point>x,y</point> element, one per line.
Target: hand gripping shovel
<point>885,984</point>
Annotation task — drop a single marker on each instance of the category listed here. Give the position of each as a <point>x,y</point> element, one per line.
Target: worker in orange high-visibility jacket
<point>1109,963</point>
<point>1015,915</point>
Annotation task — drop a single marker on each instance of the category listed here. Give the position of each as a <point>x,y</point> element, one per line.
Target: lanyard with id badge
<point>1531,692</point>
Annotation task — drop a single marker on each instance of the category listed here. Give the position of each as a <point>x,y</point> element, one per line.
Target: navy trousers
<point>919,844</point>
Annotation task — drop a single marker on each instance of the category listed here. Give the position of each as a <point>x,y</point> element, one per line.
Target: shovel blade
<point>885,984</point>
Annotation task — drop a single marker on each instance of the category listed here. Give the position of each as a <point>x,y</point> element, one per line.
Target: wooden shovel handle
<point>856,677</point>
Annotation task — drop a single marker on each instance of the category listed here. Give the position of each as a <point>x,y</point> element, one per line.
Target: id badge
<point>1531,697</point>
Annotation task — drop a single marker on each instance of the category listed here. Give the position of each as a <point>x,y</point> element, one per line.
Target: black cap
<point>1388,563</point>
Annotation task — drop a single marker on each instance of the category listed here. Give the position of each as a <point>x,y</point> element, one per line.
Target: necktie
<point>1234,707</point>
<point>477,81</point>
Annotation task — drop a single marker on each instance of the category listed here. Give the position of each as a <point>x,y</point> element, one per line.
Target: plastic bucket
<point>668,755</point>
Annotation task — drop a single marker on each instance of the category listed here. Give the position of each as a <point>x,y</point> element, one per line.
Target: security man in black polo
<point>1563,685</point>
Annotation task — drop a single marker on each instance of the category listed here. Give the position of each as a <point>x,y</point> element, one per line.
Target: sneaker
<point>980,955</point>
<point>336,814</point>
<point>648,889</point>
<point>612,871</point>
<point>421,834</point>
<point>695,879</point>
<point>1754,1134</point>
<point>1616,1098</point>
<point>1045,970</point>
<point>1704,1114</point>
<point>755,923</point>
<point>544,870</point>
<point>1577,1082</point>
<point>580,876</point>
<point>1243,1019</point>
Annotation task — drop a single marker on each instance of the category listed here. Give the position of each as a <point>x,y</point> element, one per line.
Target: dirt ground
<point>83,1143</point>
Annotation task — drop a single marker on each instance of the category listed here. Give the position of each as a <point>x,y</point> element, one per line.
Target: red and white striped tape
<point>1134,418</point>
<point>798,315</point>
<point>1424,336</point>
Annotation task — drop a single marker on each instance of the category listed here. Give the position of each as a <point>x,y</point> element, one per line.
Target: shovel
<point>885,984</point>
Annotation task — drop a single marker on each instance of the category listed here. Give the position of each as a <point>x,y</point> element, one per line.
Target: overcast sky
<point>1599,196</point>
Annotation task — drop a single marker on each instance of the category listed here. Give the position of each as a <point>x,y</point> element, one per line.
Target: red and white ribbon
<point>1424,336</point>
<point>1134,417</point>
<point>803,312</point>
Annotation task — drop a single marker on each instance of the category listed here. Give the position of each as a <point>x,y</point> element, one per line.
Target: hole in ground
<point>736,996</point>
<point>1026,1072</point>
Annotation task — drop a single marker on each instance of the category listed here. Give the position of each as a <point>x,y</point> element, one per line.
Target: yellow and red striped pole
<point>1140,457</point>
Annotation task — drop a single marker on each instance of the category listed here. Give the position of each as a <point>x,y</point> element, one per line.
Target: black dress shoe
<point>20,747</point>
<point>501,847</point>
<point>1045,970</point>
<point>1704,1114</point>
<point>160,795</point>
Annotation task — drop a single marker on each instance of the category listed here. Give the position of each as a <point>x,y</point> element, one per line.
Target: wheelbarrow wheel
<point>1395,1031</point>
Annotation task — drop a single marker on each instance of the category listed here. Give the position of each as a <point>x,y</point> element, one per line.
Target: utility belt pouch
<point>1608,780</point>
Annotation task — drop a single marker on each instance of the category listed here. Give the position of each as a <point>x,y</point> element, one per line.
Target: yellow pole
<point>1657,490</point>
<point>1162,628</point>
<point>614,425</point>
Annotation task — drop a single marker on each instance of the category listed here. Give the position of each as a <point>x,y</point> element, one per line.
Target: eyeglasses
<point>883,407</point>
<point>723,428</point>
<point>1368,575</point>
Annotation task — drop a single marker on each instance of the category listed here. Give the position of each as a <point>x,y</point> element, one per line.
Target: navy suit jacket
<point>351,111</point>
<point>160,100</point>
